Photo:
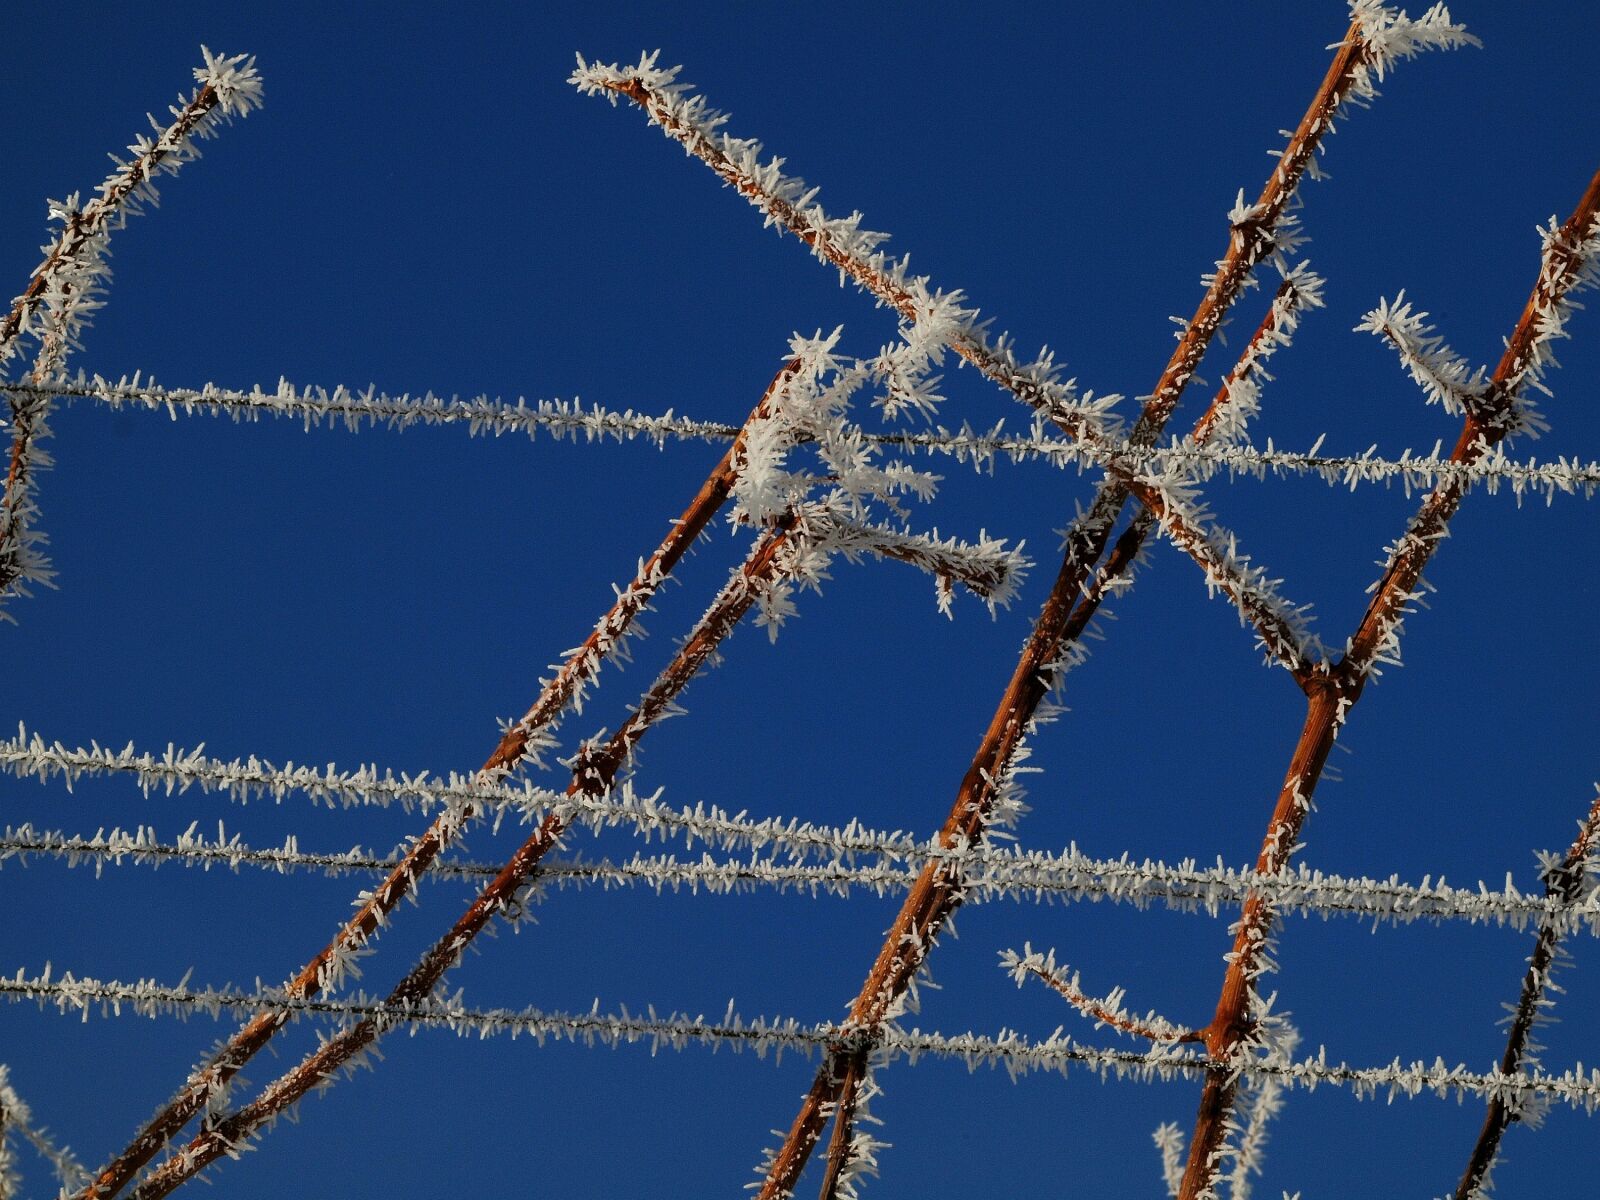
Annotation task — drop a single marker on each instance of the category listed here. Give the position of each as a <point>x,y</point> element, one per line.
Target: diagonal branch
<point>1108,1010</point>
<point>596,768</point>
<point>64,289</point>
<point>1568,263</point>
<point>523,740</point>
<point>1565,883</point>
<point>842,1152</point>
<point>1257,231</point>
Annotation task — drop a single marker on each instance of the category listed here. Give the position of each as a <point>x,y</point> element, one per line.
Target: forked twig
<point>939,888</point>
<point>1568,263</point>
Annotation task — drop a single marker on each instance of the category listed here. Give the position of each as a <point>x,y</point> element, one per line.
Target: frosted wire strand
<point>1017,1053</point>
<point>485,416</point>
<point>992,873</point>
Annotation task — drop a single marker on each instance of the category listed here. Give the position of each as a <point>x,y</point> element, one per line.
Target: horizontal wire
<point>1017,1053</point>
<point>991,873</point>
<point>488,416</point>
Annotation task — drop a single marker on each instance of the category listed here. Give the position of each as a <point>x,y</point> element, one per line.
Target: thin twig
<point>1102,1011</point>
<point>68,278</point>
<point>993,873</point>
<point>1565,882</point>
<point>938,891</point>
<point>1577,1088</point>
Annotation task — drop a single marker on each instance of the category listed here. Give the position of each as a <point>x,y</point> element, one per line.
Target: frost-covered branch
<point>65,288</point>
<point>993,873</point>
<point>1169,1144</point>
<point>1257,232</point>
<point>1108,1010</point>
<point>1238,400</point>
<point>1378,37</point>
<point>1569,880</point>
<point>1446,379</point>
<point>1016,1053</point>
<point>987,567</point>
<point>230,87</point>
<point>789,204</point>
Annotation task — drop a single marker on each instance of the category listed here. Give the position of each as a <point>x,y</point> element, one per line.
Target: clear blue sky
<point>425,203</point>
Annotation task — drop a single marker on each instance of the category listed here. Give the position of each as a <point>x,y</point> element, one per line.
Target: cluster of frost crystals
<point>1390,34</point>
<point>831,504</point>
<point>16,1120</point>
<point>1016,1053</point>
<point>811,408</point>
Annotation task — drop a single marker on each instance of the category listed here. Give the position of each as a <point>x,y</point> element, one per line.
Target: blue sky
<point>424,203</point>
